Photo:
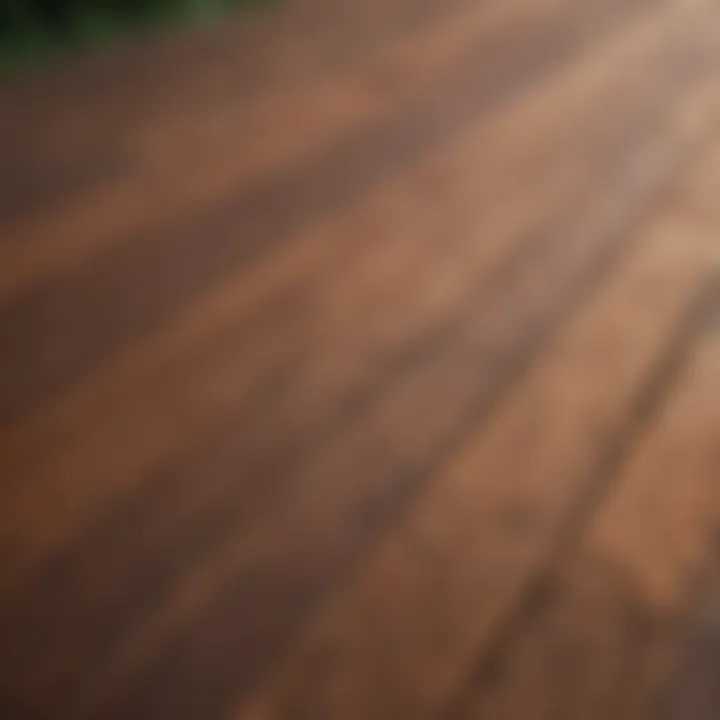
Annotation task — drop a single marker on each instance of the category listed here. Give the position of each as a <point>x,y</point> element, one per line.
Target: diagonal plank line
<point>75,320</point>
<point>700,316</point>
<point>407,487</point>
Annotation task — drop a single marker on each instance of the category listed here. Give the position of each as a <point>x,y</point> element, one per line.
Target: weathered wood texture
<point>362,361</point>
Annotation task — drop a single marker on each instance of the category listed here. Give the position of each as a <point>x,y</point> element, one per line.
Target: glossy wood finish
<point>360,360</point>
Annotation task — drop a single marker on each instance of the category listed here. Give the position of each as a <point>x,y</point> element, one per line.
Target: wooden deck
<point>361,361</point>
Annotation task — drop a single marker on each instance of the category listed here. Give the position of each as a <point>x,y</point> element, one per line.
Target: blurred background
<point>31,30</point>
<point>359,360</point>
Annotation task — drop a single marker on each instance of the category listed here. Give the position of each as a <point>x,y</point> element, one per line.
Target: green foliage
<point>34,29</point>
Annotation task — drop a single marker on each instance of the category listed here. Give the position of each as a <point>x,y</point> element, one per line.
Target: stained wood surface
<point>361,361</point>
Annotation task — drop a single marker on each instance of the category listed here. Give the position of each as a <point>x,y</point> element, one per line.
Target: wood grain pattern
<point>430,606</point>
<point>358,360</point>
<point>603,636</point>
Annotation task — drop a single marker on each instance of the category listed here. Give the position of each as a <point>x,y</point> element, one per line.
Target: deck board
<point>342,351</point>
<point>605,636</point>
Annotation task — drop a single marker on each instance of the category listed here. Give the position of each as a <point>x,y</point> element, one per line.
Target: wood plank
<point>693,690</point>
<point>126,90</point>
<point>90,312</point>
<point>259,142</point>
<point>295,459</point>
<point>458,355</point>
<point>603,640</point>
<point>396,640</point>
<point>98,617</point>
<point>81,130</point>
<point>350,335</point>
<point>319,508</point>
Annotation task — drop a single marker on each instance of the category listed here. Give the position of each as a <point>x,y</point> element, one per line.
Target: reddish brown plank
<point>397,639</point>
<point>349,333</point>
<point>255,393</point>
<point>603,641</point>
